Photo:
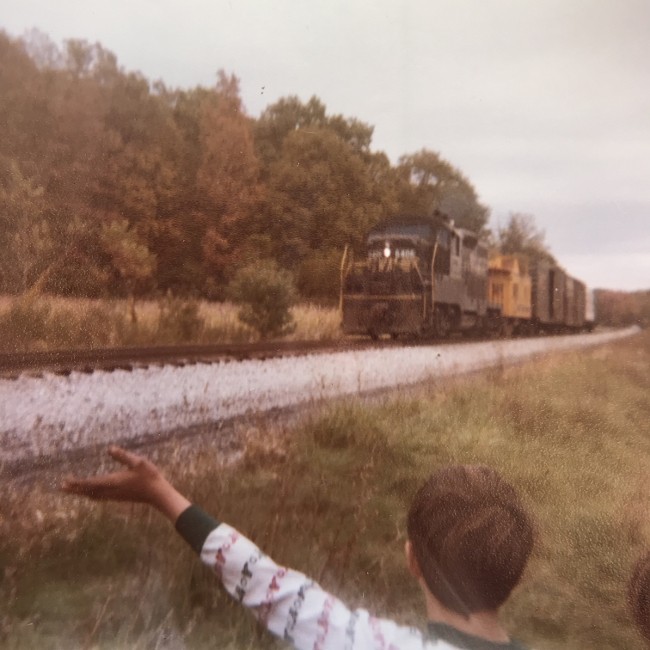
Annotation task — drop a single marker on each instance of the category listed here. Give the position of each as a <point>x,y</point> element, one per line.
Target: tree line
<point>623,308</point>
<point>112,185</point>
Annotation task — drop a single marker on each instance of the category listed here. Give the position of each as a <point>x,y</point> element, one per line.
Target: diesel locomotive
<point>423,276</point>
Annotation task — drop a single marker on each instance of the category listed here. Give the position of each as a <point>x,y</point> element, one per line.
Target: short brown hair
<point>471,536</point>
<point>638,594</point>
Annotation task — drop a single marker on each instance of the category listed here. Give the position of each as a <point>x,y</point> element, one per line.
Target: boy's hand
<point>141,482</point>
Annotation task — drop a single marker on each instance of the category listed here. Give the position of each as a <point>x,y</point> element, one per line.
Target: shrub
<point>265,293</point>
<point>179,321</point>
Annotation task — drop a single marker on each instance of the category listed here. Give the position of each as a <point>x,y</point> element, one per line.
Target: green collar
<point>467,641</point>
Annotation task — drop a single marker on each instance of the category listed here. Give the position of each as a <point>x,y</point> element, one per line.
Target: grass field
<point>52,323</point>
<point>328,496</point>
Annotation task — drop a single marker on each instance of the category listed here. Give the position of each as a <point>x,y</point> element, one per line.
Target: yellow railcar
<point>509,288</point>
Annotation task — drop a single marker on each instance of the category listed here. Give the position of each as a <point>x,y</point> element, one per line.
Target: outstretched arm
<point>285,601</point>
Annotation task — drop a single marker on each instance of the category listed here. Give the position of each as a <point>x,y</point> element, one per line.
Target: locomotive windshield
<point>399,250</point>
<point>406,231</point>
<point>400,241</point>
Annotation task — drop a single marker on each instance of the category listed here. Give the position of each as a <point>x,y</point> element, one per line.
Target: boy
<point>469,540</point>
<point>638,594</point>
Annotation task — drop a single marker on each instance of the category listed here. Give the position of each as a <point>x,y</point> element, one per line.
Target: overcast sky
<point>543,104</point>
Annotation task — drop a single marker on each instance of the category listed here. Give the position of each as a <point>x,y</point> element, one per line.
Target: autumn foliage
<point>113,186</point>
<point>621,308</point>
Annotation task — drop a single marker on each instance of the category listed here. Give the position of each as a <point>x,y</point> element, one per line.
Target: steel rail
<point>65,361</point>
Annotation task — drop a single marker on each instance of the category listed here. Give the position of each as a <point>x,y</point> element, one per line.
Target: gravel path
<point>52,414</point>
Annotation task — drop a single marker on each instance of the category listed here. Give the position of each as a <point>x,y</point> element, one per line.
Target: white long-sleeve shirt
<point>296,609</point>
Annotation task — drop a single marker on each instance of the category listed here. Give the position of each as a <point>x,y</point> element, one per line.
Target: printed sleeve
<point>295,608</point>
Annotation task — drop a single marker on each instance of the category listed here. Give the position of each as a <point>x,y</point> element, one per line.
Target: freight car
<point>423,276</point>
<point>559,302</point>
<point>510,291</point>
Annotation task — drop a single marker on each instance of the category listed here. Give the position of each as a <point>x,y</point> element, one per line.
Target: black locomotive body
<point>421,276</point>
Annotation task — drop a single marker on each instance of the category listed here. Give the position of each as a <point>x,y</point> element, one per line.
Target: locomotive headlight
<point>387,250</point>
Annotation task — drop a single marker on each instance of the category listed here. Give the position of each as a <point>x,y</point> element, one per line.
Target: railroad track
<point>47,421</point>
<point>63,362</point>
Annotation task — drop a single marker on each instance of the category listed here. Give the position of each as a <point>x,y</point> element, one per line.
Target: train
<point>423,276</point>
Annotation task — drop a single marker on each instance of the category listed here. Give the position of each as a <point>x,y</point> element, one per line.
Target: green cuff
<point>194,526</point>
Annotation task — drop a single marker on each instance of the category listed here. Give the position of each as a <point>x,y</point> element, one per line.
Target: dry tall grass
<point>49,323</point>
<point>329,497</point>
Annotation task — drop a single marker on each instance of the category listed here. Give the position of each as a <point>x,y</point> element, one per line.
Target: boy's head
<point>638,594</point>
<point>471,537</point>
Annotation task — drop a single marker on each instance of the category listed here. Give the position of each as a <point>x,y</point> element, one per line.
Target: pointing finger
<point>124,457</point>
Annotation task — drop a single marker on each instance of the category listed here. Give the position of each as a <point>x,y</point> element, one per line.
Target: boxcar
<point>574,304</point>
<point>548,289</point>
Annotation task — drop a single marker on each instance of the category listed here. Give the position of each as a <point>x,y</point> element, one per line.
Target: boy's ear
<point>411,561</point>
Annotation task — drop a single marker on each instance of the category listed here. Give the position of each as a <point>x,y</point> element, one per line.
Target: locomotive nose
<point>379,314</point>
<point>379,319</point>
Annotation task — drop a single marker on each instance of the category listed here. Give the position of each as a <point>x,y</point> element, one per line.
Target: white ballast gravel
<point>42,416</point>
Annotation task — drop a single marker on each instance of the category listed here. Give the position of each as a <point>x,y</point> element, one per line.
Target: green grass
<point>329,496</point>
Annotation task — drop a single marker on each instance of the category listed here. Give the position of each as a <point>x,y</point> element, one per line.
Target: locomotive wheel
<point>378,320</point>
<point>442,322</point>
<point>507,329</point>
<point>527,329</point>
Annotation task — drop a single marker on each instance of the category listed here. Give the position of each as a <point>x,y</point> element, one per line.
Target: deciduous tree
<point>131,259</point>
<point>25,238</point>
<point>229,176</point>
<point>522,236</point>
<point>321,196</point>
<point>427,182</point>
